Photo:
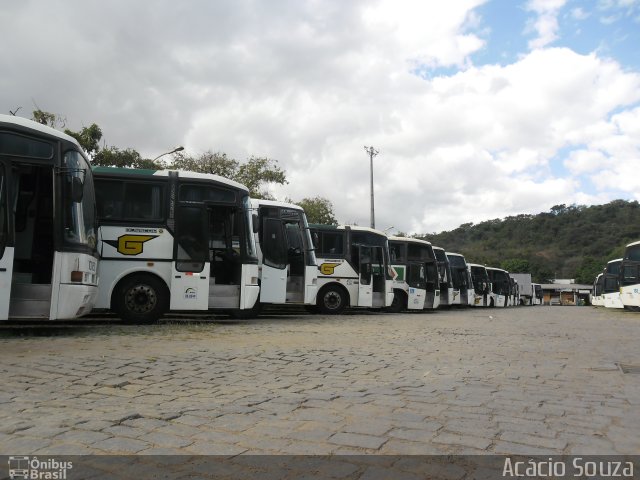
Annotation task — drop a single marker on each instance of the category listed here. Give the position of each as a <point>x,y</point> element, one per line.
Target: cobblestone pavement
<point>528,380</point>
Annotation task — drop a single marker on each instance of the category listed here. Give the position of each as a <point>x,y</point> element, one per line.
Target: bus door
<point>365,284</point>
<point>190,268</point>
<point>6,252</point>
<point>417,281</point>
<point>273,281</point>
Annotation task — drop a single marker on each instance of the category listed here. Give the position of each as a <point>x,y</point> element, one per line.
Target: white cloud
<point>545,25</point>
<point>310,83</point>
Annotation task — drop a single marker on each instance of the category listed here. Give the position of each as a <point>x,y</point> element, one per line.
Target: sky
<point>479,109</point>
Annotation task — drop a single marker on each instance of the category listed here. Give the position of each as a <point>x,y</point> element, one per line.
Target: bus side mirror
<point>255,223</point>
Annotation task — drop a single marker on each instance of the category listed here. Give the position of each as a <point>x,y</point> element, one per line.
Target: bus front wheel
<point>332,300</point>
<point>141,299</point>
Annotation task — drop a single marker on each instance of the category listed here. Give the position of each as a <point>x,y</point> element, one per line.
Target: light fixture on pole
<point>175,150</point>
<point>372,152</point>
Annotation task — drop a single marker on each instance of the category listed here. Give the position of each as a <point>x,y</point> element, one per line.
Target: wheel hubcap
<point>332,300</point>
<point>141,299</point>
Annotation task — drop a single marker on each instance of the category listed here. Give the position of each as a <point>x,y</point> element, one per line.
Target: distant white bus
<point>463,293</point>
<point>538,295</point>
<point>286,258</point>
<point>174,241</point>
<point>501,287</point>
<point>416,281</point>
<point>48,228</point>
<point>611,290</point>
<point>354,268</point>
<point>446,284</point>
<point>597,298</point>
<point>481,285</point>
<point>630,277</point>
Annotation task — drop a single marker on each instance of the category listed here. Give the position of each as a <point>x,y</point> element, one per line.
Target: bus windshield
<point>79,206</point>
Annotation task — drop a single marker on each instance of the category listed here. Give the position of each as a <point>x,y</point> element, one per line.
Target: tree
<point>318,210</point>
<point>254,174</point>
<point>88,138</point>
<point>127,158</point>
<point>208,162</point>
<point>259,171</point>
<point>47,118</point>
<point>516,265</point>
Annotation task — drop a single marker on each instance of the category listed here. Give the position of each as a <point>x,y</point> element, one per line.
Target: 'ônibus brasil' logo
<point>130,244</point>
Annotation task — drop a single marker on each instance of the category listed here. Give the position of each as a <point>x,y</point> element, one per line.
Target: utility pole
<point>372,153</point>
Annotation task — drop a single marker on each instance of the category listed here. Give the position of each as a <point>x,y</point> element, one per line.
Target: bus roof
<point>497,269</point>
<point>438,248</point>
<point>616,260</point>
<point>408,239</point>
<point>354,228</point>
<point>164,173</point>
<point>454,254</point>
<point>633,244</point>
<point>476,265</point>
<point>12,120</point>
<point>274,203</point>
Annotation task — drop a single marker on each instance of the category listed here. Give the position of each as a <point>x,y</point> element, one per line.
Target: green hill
<point>566,242</point>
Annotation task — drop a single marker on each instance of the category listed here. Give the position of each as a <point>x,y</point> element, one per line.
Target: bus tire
<point>332,300</point>
<point>140,298</point>
<point>399,302</point>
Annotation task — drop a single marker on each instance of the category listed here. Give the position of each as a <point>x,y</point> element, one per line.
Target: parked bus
<point>481,285</point>
<point>416,285</point>
<point>463,293</point>
<point>501,287</point>
<point>514,292</point>
<point>538,295</point>
<point>597,300</point>
<point>286,259</point>
<point>48,257</point>
<point>446,285</point>
<point>354,268</point>
<point>611,290</point>
<point>174,241</point>
<point>630,277</point>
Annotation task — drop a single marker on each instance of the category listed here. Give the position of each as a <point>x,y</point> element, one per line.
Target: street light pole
<point>372,153</point>
<point>175,150</point>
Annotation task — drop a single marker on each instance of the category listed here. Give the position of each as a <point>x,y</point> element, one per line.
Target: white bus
<point>597,300</point>
<point>174,241</point>
<point>481,285</point>
<point>286,259</point>
<point>630,277</point>
<point>415,286</point>
<point>500,287</point>
<point>48,257</point>
<point>354,268</point>
<point>538,294</point>
<point>611,290</point>
<point>446,285</point>
<point>463,293</point>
